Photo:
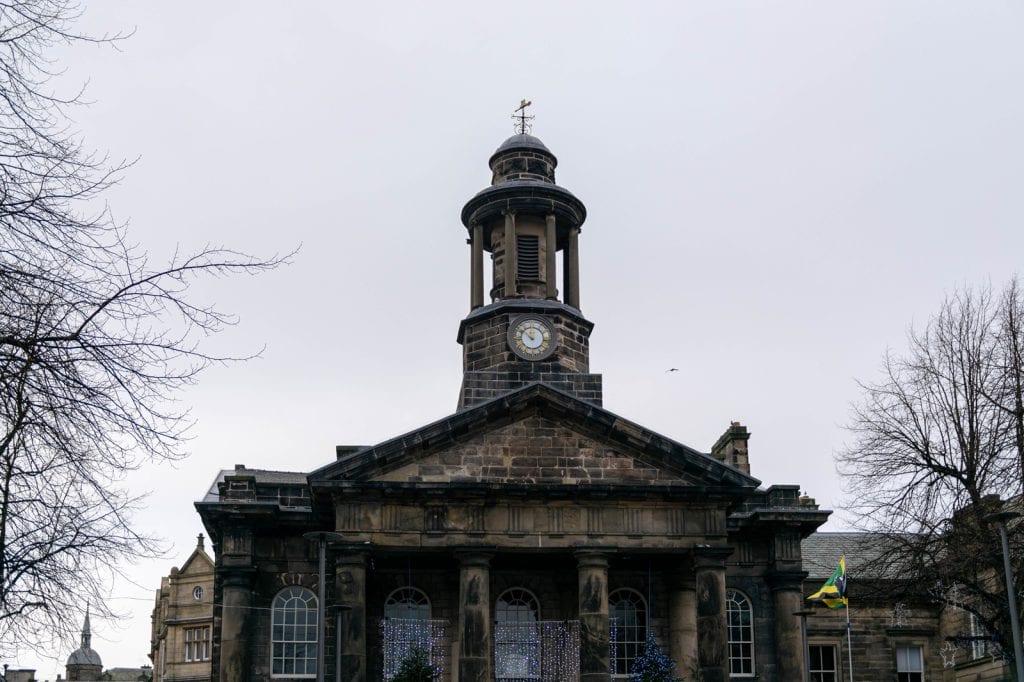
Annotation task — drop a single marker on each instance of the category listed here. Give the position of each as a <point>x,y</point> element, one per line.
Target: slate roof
<point>262,476</point>
<point>821,552</point>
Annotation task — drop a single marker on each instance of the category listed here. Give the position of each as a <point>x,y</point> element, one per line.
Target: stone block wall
<point>485,347</point>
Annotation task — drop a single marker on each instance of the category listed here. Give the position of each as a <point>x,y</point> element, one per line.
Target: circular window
<point>197,593</point>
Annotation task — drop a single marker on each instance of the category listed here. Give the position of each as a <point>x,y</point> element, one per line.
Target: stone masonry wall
<point>533,450</point>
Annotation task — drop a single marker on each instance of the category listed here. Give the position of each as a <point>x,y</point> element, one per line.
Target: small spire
<point>199,541</point>
<point>86,631</point>
<point>523,123</point>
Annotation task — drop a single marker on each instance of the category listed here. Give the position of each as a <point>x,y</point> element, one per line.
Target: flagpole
<point>849,639</point>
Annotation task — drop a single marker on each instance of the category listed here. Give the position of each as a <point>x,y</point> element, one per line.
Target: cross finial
<point>523,123</point>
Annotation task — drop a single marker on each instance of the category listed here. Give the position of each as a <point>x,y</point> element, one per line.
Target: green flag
<point>833,593</point>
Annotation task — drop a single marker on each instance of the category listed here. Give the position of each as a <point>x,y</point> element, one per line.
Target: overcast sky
<point>776,190</point>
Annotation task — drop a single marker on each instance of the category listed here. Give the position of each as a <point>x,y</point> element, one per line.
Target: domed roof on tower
<point>85,654</point>
<point>523,179</point>
<point>522,157</point>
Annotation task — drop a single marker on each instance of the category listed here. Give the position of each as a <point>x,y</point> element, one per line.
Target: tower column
<point>476,267</point>
<point>474,617</point>
<point>593,595</point>
<point>787,593</point>
<point>350,582</point>
<point>236,600</point>
<point>511,286</point>
<point>551,266</point>
<point>712,638</point>
<point>572,269</point>
<point>682,609</point>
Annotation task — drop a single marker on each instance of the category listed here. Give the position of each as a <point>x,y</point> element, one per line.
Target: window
<point>197,592</point>
<point>978,646</point>
<point>628,614</point>
<point>740,620</point>
<point>909,664</point>
<point>823,662</point>
<point>406,627</point>
<point>517,636</point>
<point>527,258</point>
<point>293,633</point>
<point>197,644</point>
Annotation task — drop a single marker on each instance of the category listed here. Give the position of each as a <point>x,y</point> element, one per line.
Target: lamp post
<point>322,537</point>
<point>1000,518</point>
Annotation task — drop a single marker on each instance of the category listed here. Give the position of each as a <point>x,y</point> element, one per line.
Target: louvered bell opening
<point>528,257</point>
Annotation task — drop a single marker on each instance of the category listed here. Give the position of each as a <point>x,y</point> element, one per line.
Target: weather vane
<point>523,123</point>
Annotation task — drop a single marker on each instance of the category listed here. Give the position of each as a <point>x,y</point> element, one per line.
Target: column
<point>236,603</point>
<point>474,617</point>
<point>476,267</point>
<point>712,638</point>
<point>572,269</point>
<point>551,266</point>
<point>350,585</point>
<point>682,628</point>
<point>593,595</point>
<point>511,287</point>
<point>787,595</point>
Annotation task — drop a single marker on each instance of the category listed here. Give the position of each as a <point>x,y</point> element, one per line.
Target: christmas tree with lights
<point>415,668</point>
<point>654,665</point>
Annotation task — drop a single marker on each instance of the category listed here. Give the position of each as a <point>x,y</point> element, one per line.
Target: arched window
<point>407,603</point>
<point>406,627</point>
<point>740,619</point>
<point>628,613</point>
<point>517,636</point>
<point>293,633</point>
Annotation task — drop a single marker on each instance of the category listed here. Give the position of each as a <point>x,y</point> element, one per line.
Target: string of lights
<point>401,636</point>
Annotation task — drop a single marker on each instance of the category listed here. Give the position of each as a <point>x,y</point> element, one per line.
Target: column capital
<point>591,558</point>
<point>709,556</point>
<point>351,555</point>
<point>779,581</point>
<point>239,577</point>
<point>474,557</point>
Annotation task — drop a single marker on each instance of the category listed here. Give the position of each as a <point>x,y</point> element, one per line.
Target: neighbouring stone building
<point>899,629</point>
<point>530,535</point>
<point>182,621</point>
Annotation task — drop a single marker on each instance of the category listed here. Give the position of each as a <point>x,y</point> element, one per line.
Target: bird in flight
<point>671,369</point>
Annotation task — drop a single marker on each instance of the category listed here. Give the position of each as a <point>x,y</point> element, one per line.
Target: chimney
<point>731,447</point>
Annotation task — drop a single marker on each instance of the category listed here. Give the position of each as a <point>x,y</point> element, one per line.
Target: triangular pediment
<point>539,436</point>
<point>198,562</point>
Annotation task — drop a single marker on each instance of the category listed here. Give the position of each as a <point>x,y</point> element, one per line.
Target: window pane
<point>293,632</point>
<point>740,618</point>
<point>628,620</point>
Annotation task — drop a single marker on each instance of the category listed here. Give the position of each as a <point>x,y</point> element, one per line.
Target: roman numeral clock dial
<point>532,337</point>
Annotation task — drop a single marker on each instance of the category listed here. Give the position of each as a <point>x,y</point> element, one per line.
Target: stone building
<point>899,630</point>
<point>84,663</point>
<point>530,535</point>
<point>182,621</point>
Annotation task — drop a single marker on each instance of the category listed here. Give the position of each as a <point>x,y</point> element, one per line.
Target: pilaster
<point>474,617</point>
<point>683,619</point>
<point>712,638</point>
<point>593,614</point>
<point>350,585</point>
<point>236,604</point>
<point>787,597</point>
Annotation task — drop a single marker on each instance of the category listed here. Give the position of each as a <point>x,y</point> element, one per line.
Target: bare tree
<point>95,344</point>
<point>937,441</point>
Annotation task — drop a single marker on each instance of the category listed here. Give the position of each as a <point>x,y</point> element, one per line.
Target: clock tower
<point>530,331</point>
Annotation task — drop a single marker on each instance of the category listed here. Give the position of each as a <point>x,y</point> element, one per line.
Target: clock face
<point>531,337</point>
